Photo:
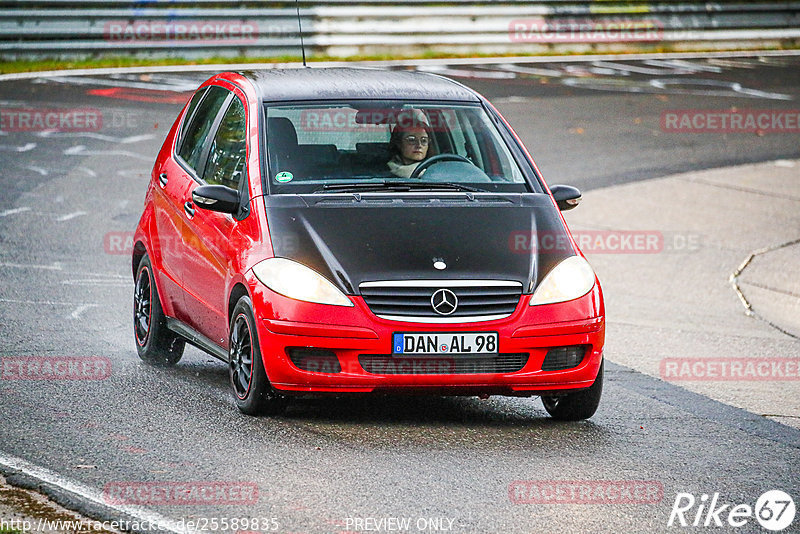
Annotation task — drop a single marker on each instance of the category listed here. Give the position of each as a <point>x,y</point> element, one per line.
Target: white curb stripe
<point>86,493</point>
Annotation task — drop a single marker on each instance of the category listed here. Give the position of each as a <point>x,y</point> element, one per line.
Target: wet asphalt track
<point>66,291</point>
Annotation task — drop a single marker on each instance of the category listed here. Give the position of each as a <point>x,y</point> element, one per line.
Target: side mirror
<point>566,196</point>
<point>216,198</point>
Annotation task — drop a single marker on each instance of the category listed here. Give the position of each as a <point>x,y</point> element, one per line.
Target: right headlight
<point>570,279</point>
<point>296,281</point>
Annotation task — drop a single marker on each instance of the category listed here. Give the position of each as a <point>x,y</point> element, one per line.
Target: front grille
<point>560,358</point>
<point>384,364</point>
<point>478,300</point>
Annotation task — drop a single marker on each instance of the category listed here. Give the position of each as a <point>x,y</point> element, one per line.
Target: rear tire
<point>576,406</point>
<point>156,344</point>
<point>252,390</point>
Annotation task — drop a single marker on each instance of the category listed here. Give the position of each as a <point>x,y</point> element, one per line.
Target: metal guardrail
<point>227,28</point>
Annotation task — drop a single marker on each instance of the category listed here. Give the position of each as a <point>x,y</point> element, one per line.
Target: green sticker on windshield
<point>283,177</point>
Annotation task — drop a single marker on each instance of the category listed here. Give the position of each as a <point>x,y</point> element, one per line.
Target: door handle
<point>188,207</point>
<point>163,179</point>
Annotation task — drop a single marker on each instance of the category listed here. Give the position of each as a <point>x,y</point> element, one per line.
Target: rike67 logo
<point>774,510</point>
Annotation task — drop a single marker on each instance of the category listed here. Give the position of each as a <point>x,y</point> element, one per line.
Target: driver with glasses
<point>410,143</point>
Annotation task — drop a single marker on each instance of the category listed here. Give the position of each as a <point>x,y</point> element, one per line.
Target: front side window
<point>228,152</point>
<point>198,96</point>
<point>197,131</point>
<point>330,146</point>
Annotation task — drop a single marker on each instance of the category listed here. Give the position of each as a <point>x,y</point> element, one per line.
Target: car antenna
<point>300,25</point>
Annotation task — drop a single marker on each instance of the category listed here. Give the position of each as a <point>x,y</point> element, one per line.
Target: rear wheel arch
<point>155,343</point>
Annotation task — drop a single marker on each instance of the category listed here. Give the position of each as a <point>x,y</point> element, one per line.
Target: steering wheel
<point>438,159</point>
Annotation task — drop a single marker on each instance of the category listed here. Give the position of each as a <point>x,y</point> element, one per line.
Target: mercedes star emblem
<point>444,301</point>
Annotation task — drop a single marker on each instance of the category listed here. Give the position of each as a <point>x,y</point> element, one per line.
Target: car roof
<point>315,83</point>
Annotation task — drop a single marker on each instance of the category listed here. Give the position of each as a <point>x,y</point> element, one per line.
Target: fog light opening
<point>315,360</point>
<point>561,358</point>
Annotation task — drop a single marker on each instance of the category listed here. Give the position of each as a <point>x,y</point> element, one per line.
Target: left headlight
<point>296,281</point>
<point>570,279</point>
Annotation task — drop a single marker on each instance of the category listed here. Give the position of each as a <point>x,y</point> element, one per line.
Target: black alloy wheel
<point>155,343</point>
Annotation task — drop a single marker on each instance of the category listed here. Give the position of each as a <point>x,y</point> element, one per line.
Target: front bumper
<point>355,332</point>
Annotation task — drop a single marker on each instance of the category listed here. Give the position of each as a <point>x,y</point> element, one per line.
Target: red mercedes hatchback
<point>335,231</point>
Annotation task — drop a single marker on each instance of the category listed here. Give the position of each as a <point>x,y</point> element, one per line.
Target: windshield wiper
<point>441,185</point>
<point>399,186</point>
<point>357,186</point>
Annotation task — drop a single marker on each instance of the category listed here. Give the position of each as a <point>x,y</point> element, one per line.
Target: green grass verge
<point>7,67</point>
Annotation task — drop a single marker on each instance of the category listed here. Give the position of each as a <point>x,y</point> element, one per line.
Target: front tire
<point>254,394</point>
<point>155,343</point>
<point>576,406</point>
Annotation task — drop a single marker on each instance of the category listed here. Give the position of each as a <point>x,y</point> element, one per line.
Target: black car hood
<point>351,239</point>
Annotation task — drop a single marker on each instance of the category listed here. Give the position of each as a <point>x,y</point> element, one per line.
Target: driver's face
<point>414,145</point>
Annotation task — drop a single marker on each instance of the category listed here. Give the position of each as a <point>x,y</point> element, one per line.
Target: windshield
<point>366,146</point>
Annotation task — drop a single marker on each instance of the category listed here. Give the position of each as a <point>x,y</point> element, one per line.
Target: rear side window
<point>228,151</point>
<point>198,129</point>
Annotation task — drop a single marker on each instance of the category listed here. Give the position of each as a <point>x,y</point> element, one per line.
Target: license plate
<point>445,343</point>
